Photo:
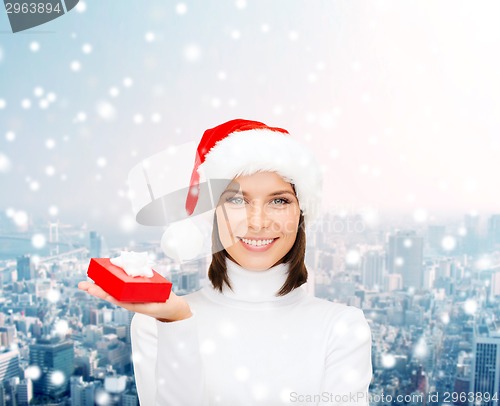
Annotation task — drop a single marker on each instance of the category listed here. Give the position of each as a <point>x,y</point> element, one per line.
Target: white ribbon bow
<point>134,263</point>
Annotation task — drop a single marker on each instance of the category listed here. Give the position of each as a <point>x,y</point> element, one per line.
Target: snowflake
<point>43,104</point>
<point>26,103</point>
<point>33,372</point>
<point>242,374</point>
<point>5,164</point>
<point>448,243</point>
<point>388,360</point>
<point>181,8</point>
<point>106,110</point>
<point>114,92</point>
<point>57,378</point>
<point>38,241</point>
<point>127,223</point>
<point>20,218</point>
<point>128,82</point>
<point>87,48</point>
<point>53,210</point>
<point>241,4</point>
<point>81,7</point>
<point>102,398</point>
<point>75,66</point>
<point>62,327</point>
<point>445,318</point>
<point>38,91</point>
<point>192,52</point>
<point>149,36</point>
<point>399,261</point>
<point>138,118</point>
<point>53,296</point>
<point>352,257</point>
<point>420,215</point>
<point>34,46</point>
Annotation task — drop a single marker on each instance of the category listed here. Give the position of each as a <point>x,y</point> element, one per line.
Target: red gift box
<point>125,288</point>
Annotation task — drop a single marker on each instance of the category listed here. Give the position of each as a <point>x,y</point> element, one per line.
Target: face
<point>257,219</point>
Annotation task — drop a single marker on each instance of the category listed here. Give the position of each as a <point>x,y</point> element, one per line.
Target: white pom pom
<point>182,240</point>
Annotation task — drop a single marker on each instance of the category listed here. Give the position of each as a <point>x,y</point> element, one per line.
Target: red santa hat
<point>243,147</point>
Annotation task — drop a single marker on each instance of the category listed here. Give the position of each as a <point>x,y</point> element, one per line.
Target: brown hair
<point>297,274</point>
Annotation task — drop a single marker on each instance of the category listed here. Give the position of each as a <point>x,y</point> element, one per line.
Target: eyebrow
<point>279,192</point>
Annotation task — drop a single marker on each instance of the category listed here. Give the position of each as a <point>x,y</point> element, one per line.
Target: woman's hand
<point>174,309</point>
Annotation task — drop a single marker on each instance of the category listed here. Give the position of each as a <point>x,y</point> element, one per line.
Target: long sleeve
<point>348,367</point>
<point>167,362</point>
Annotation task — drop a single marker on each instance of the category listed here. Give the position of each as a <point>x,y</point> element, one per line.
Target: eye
<point>281,200</point>
<point>235,200</point>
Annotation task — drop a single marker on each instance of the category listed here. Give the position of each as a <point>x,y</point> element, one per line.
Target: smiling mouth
<point>257,243</point>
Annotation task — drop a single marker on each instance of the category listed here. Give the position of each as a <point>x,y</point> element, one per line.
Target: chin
<point>262,265</point>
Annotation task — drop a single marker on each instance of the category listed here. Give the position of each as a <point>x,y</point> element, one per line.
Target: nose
<point>257,217</point>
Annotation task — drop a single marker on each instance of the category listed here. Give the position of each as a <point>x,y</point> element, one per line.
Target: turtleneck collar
<point>254,289</point>
<point>255,286</point>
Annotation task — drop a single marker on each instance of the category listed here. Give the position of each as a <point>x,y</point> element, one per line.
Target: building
<point>405,257</point>
<point>494,231</point>
<point>24,392</point>
<point>82,393</point>
<point>9,365</point>
<point>372,269</point>
<point>485,370</point>
<point>95,245</point>
<point>56,360</point>
<point>25,271</point>
<point>7,335</point>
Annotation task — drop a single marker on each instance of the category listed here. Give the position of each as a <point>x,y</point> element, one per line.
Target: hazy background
<point>399,100</point>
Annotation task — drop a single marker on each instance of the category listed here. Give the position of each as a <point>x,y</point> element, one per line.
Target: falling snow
<point>75,66</point>
<point>181,8</point>
<point>87,48</point>
<point>34,46</point>
<point>5,163</point>
<point>38,241</point>
<point>192,53</point>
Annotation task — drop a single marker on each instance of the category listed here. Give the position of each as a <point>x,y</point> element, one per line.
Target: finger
<point>84,285</point>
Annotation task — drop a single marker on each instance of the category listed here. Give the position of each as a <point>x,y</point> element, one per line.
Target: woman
<point>252,336</point>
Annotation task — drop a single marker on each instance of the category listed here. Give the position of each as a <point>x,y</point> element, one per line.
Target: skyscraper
<point>405,257</point>
<point>9,365</point>
<point>95,245</point>
<point>24,268</point>
<point>24,392</point>
<point>55,359</point>
<point>494,231</point>
<point>372,269</point>
<point>82,393</point>
<point>485,365</point>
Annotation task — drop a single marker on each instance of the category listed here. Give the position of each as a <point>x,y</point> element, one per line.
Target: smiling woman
<point>252,335</point>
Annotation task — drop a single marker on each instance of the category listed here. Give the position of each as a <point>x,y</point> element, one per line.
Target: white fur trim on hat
<point>262,150</point>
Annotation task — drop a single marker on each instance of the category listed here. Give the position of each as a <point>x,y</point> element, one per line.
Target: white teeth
<point>257,243</point>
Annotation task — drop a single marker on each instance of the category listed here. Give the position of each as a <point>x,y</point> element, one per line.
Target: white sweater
<point>250,347</point>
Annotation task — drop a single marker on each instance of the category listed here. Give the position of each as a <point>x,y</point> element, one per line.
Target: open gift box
<point>115,281</point>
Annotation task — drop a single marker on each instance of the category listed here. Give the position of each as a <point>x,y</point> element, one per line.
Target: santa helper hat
<point>243,147</point>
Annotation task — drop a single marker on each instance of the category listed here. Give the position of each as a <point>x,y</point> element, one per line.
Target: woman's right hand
<point>174,309</point>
